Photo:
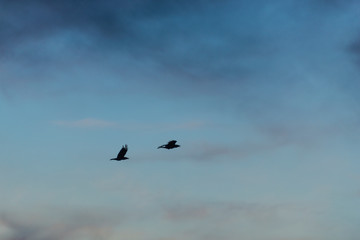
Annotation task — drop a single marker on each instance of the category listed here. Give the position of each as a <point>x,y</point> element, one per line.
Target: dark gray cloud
<point>111,20</point>
<point>197,39</point>
<point>331,4</point>
<point>163,29</point>
<point>23,22</point>
<point>205,43</point>
<point>354,49</point>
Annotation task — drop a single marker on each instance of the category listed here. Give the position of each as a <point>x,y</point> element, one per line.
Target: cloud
<point>137,126</point>
<point>197,41</point>
<point>86,123</point>
<point>172,220</point>
<point>185,213</point>
<point>335,5</point>
<point>257,212</point>
<point>64,226</point>
<point>354,49</point>
<point>232,220</point>
<point>228,48</point>
<point>186,125</point>
<point>113,21</point>
<point>211,151</point>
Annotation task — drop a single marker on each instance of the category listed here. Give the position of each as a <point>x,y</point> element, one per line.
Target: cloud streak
<point>233,220</point>
<point>86,123</point>
<point>140,126</point>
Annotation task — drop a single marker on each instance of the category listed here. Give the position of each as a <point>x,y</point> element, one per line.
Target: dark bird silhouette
<point>121,154</point>
<point>170,145</point>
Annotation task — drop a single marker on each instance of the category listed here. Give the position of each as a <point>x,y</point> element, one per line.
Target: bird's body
<point>121,154</point>
<point>170,145</point>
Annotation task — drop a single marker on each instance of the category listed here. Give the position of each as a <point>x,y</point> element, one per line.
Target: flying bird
<point>121,154</point>
<point>170,145</point>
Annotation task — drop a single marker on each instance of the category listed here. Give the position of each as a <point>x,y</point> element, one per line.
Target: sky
<point>261,95</point>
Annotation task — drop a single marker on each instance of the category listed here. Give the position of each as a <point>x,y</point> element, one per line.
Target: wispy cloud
<point>134,126</point>
<point>212,151</point>
<point>354,49</point>
<point>194,221</point>
<point>186,212</point>
<point>75,225</point>
<point>242,219</point>
<point>86,123</point>
<point>186,125</point>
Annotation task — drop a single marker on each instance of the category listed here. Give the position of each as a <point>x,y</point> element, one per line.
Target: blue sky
<point>261,95</point>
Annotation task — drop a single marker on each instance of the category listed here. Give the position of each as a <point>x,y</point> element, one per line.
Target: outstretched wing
<point>122,152</point>
<point>172,142</point>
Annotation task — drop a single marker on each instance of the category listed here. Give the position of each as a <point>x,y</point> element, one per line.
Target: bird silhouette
<point>121,154</point>
<point>170,145</point>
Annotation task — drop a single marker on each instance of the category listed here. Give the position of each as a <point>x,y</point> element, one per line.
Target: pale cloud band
<point>86,123</point>
<point>99,123</point>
